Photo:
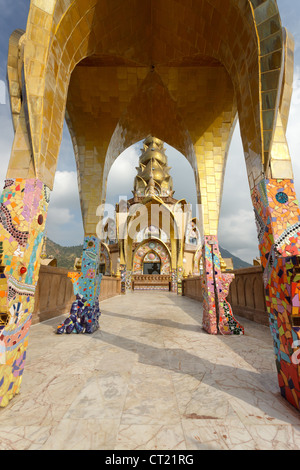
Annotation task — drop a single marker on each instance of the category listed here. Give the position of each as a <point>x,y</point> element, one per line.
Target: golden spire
<point>150,190</point>
<point>153,176</point>
<point>223,265</point>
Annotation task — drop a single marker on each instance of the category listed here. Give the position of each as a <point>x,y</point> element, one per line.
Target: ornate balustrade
<point>151,282</point>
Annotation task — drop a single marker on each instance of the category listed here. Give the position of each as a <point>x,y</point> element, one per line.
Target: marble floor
<point>150,378</point>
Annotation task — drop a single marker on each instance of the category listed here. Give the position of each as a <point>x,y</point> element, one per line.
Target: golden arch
<point>184,85</point>
<point>197,261</point>
<point>126,243</point>
<point>145,242</point>
<point>104,251</point>
<point>66,40</point>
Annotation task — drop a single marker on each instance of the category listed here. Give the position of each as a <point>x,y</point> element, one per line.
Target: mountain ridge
<point>66,255</point>
<point>238,263</point>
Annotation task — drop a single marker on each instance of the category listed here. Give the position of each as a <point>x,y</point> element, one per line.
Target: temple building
<point>157,253</point>
<point>115,77</point>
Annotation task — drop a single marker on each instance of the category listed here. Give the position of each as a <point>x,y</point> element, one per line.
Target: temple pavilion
<point>154,237</point>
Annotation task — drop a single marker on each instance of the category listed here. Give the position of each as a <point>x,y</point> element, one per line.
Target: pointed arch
<point>147,246</point>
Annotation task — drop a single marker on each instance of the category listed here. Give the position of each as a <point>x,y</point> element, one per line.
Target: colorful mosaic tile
<point>23,210</point>
<point>128,281</point>
<point>123,278</point>
<point>82,319</point>
<point>174,280</point>
<point>277,211</point>
<point>85,312</point>
<point>227,323</point>
<point>152,246</point>
<point>211,274</point>
<point>217,313</point>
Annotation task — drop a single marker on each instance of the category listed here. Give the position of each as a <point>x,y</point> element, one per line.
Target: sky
<point>237,230</point>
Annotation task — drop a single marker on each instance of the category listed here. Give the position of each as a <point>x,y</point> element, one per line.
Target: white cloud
<point>6,141</point>
<point>293,135</point>
<point>58,216</point>
<point>183,176</point>
<point>237,228</point>
<point>64,221</point>
<point>238,234</point>
<point>122,173</point>
<point>65,190</point>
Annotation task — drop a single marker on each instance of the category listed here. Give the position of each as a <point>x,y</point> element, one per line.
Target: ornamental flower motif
<point>90,274</point>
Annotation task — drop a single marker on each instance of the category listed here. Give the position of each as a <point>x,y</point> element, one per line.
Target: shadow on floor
<point>160,322</point>
<point>227,379</point>
<point>190,364</point>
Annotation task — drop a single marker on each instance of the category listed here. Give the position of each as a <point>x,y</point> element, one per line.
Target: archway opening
<point>237,230</point>
<point>126,180</point>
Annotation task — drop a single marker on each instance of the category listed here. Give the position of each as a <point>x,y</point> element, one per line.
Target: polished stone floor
<point>151,378</point>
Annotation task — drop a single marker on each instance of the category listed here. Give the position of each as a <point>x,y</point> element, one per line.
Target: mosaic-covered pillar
<point>217,313</point>
<point>179,280</point>
<point>211,272</point>
<point>278,222</point>
<point>174,280</point>
<point>128,281</point>
<point>85,311</point>
<point>123,278</point>
<point>23,210</point>
<point>228,325</point>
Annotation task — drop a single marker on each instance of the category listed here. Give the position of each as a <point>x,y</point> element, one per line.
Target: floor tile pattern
<point>150,378</point>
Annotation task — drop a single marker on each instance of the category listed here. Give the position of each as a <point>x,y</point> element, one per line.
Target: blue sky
<point>237,231</point>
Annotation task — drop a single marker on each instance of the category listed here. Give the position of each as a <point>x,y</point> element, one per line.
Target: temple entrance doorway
<point>151,266</point>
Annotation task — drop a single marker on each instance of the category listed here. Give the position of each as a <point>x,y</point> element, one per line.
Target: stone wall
<point>192,287</point>
<point>54,293</point>
<point>246,293</point>
<point>110,287</point>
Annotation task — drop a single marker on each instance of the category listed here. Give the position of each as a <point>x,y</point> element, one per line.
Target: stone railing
<point>153,281</point>
<point>110,287</point>
<point>192,287</point>
<point>246,294</point>
<point>54,293</point>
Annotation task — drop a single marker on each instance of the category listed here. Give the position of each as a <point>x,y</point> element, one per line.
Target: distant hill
<point>238,263</point>
<point>66,255</point>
